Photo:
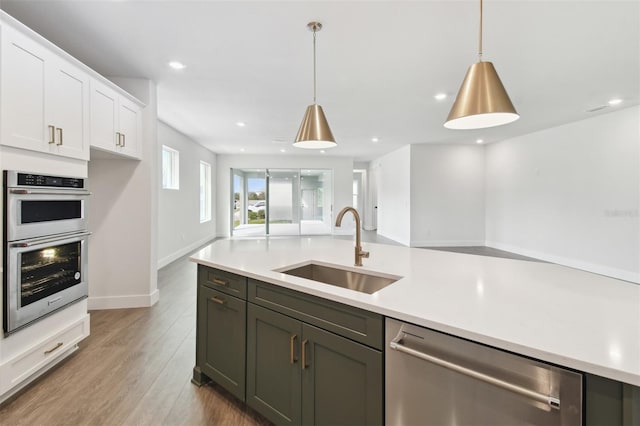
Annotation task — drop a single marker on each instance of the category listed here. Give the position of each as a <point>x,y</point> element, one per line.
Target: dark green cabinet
<point>221,340</point>
<point>300,374</point>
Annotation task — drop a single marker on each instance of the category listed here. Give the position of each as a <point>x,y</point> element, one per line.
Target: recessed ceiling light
<point>440,96</point>
<point>374,140</point>
<point>479,141</point>
<point>241,149</point>
<point>240,124</point>
<point>615,101</point>
<point>283,150</point>
<point>177,65</point>
<point>322,151</point>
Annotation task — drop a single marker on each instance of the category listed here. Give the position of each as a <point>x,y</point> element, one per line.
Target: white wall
<point>123,218</point>
<point>393,179</point>
<point>447,195</point>
<point>179,227</point>
<point>342,181</point>
<point>570,194</point>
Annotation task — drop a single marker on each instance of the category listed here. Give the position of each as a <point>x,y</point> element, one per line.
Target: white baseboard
<point>620,274</point>
<point>120,302</point>
<point>447,243</point>
<point>183,251</point>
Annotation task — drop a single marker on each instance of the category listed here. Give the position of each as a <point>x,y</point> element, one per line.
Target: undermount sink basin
<point>335,275</point>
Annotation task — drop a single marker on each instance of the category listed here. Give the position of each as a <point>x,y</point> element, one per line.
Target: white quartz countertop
<point>550,312</point>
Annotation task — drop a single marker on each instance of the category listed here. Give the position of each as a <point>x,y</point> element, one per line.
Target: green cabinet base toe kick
<point>292,357</point>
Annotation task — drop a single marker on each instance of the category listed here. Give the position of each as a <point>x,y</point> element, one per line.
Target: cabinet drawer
<point>28,363</point>
<point>223,281</point>
<point>353,323</point>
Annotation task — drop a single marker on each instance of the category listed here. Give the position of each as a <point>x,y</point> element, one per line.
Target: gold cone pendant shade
<point>314,132</point>
<point>482,100</point>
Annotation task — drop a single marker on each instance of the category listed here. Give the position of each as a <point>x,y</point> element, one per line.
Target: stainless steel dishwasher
<point>436,379</point>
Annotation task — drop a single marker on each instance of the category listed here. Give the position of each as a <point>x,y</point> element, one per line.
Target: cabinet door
<point>129,118</point>
<point>68,108</point>
<point>104,107</point>
<point>273,365</point>
<point>221,339</point>
<point>341,381</point>
<point>22,92</point>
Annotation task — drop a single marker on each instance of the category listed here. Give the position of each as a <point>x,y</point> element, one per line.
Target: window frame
<point>205,198</point>
<point>172,179</point>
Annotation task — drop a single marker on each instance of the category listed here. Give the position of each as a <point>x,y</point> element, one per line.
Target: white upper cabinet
<point>44,99</point>
<point>115,121</point>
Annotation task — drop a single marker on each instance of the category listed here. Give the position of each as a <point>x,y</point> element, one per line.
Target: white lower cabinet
<point>115,121</point>
<point>30,362</point>
<point>44,99</point>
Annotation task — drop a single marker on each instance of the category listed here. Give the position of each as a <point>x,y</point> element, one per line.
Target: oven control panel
<point>27,179</point>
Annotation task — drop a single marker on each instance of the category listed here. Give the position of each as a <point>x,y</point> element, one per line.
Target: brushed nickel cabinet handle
<point>292,358</point>
<point>59,129</point>
<point>47,352</point>
<point>52,135</point>
<point>118,138</point>
<point>124,140</point>
<point>219,281</point>
<point>217,300</point>
<point>304,353</point>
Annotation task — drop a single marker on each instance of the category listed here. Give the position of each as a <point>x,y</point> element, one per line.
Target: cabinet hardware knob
<point>52,136</point>
<point>292,358</point>
<point>217,300</point>
<point>59,129</point>
<point>304,353</point>
<point>47,352</point>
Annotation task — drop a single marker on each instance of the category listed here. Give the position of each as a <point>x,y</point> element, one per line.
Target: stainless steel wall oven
<point>45,246</point>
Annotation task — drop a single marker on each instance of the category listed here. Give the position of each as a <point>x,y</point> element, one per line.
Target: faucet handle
<point>364,254</point>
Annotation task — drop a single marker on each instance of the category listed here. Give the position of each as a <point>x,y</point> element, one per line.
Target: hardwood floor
<point>134,369</point>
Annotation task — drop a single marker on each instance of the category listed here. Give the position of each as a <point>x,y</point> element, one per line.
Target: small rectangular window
<point>205,192</point>
<point>170,168</point>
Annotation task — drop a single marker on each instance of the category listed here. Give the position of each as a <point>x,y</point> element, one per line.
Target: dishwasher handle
<point>552,401</point>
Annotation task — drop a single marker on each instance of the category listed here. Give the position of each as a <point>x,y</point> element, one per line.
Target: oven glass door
<point>36,213</point>
<point>43,275</point>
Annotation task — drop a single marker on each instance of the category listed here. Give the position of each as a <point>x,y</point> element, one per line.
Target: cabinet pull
<point>52,135</point>
<point>304,353</point>
<point>292,357</point>
<point>118,138</point>
<point>47,352</point>
<point>124,140</point>
<point>219,281</point>
<point>59,129</point>
<point>217,300</point>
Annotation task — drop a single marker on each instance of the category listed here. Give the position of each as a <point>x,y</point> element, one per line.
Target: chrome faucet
<point>359,253</point>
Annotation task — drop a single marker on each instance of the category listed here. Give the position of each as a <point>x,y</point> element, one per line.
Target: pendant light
<point>482,100</point>
<point>314,132</point>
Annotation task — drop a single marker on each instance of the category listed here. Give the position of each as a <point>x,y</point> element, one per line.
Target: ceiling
<point>380,63</point>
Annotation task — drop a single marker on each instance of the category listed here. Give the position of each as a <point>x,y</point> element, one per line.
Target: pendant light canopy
<point>482,100</point>
<point>314,132</point>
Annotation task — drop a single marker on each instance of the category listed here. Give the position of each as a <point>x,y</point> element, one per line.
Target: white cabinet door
<point>68,108</point>
<point>129,115</point>
<point>22,92</point>
<point>43,98</point>
<point>104,124</point>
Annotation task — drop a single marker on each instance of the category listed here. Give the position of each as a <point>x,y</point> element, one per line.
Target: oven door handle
<point>52,239</point>
<point>48,192</point>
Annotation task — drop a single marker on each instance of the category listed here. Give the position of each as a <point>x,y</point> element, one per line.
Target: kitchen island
<point>552,313</point>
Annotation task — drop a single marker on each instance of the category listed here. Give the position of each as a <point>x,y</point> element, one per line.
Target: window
<point>205,192</point>
<point>170,168</point>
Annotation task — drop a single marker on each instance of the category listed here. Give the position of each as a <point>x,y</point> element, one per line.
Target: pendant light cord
<point>480,43</point>
<point>314,65</point>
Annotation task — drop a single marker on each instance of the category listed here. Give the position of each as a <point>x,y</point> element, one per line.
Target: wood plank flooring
<point>134,369</point>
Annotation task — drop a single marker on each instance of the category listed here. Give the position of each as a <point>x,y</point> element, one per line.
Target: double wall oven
<point>45,246</point>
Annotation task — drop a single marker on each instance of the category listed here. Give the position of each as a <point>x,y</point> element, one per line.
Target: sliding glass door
<point>281,202</point>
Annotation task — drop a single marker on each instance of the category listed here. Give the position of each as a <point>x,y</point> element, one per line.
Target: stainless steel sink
<point>336,275</point>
